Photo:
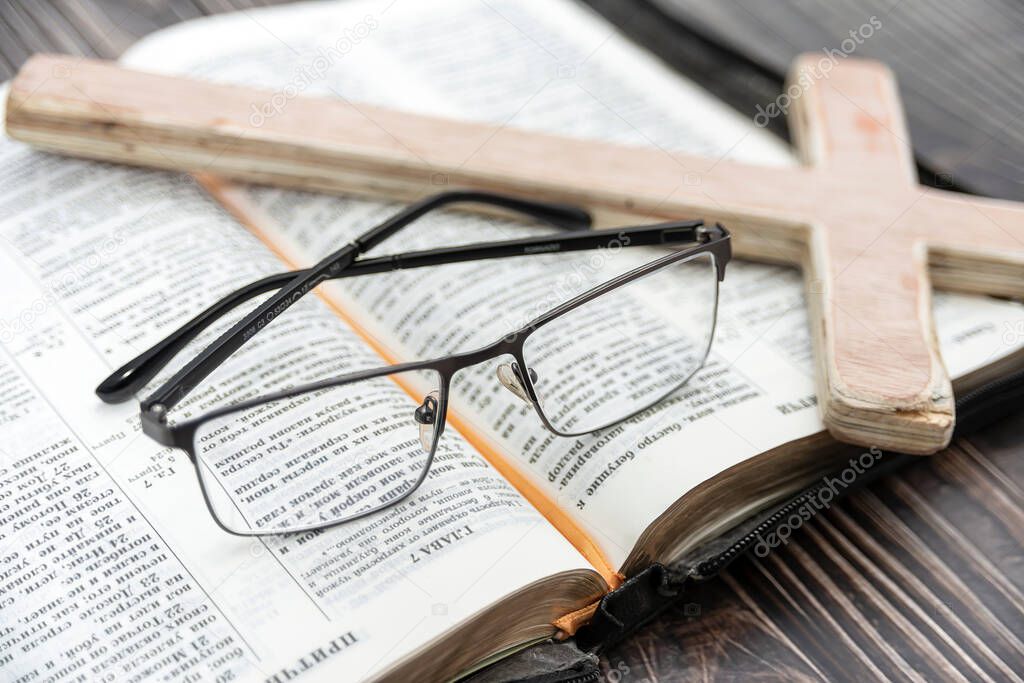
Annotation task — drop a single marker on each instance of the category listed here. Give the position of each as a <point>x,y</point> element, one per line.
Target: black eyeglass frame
<point>714,240</point>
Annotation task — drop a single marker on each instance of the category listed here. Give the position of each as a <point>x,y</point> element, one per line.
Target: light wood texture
<point>854,216</point>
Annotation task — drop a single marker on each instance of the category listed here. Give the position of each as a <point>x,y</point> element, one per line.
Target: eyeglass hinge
<point>154,425</point>
<point>157,411</point>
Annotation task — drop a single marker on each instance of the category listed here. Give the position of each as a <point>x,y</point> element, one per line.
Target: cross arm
<point>854,216</point>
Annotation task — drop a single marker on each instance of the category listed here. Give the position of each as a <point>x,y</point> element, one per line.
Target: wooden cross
<point>870,239</point>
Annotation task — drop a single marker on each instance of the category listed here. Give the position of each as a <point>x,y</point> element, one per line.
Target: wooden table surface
<point>958,65</point>
<point>920,576</point>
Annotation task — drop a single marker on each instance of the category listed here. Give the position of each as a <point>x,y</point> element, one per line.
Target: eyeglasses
<point>332,451</point>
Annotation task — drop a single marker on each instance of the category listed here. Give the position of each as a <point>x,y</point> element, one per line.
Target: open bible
<point>110,565</point>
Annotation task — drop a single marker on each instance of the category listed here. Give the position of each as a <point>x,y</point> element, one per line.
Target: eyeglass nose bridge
<point>509,373</point>
<point>426,416</point>
<point>511,377</point>
<point>426,412</point>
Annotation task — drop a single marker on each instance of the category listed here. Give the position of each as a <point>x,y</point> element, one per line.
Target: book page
<point>111,566</point>
<point>519,64</point>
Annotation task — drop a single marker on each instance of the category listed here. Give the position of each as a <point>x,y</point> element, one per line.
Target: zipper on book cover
<point>712,566</point>
<point>980,400</point>
<point>1003,389</point>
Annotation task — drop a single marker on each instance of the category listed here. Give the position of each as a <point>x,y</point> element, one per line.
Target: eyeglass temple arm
<point>125,381</point>
<point>122,384</point>
<point>676,232</point>
<point>563,216</point>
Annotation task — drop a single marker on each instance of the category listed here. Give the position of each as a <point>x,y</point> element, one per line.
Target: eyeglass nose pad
<point>510,376</point>
<point>426,416</point>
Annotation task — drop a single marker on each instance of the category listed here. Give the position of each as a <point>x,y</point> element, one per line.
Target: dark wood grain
<point>958,64</point>
<point>919,577</point>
